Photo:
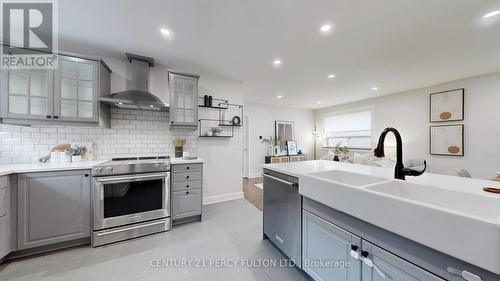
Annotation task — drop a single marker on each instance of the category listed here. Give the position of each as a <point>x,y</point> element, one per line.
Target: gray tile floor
<point>230,231</point>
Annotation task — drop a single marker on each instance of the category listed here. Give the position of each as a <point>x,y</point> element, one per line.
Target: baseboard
<point>222,198</point>
<point>255,175</point>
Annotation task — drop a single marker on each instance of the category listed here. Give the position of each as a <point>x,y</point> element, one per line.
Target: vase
<point>178,152</point>
<point>336,158</point>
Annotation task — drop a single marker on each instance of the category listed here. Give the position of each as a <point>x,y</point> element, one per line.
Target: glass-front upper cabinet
<point>27,94</point>
<point>76,90</point>
<point>183,100</point>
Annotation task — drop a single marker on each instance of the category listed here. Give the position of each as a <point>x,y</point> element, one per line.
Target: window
<point>353,129</point>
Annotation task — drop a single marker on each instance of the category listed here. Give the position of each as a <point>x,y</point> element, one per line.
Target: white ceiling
<point>396,45</point>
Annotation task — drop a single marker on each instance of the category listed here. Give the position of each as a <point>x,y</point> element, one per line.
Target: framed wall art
<point>447,106</point>
<point>284,131</point>
<point>447,140</point>
<point>292,147</point>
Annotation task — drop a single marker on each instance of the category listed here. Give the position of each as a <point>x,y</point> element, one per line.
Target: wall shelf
<point>225,112</point>
<point>207,126</point>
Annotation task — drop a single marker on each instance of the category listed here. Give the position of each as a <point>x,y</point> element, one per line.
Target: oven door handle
<point>132,178</point>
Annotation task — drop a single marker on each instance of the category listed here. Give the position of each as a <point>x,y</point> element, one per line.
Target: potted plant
<point>179,144</point>
<point>274,146</point>
<point>77,153</point>
<point>342,153</point>
<point>214,131</point>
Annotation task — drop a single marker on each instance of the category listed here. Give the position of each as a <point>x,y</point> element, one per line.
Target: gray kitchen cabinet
<point>187,192</point>
<point>76,90</point>
<point>68,93</point>
<point>53,207</point>
<point>5,215</point>
<point>183,100</point>
<point>27,94</point>
<point>323,241</point>
<point>186,203</point>
<point>388,267</point>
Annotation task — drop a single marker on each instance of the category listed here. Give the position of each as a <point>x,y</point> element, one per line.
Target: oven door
<point>127,199</point>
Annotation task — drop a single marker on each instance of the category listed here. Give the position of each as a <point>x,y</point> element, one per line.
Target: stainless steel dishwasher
<point>282,209</point>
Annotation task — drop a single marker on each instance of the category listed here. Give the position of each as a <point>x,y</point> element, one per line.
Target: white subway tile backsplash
<point>132,133</point>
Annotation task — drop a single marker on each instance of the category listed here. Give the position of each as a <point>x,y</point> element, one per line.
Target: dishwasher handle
<point>280,180</point>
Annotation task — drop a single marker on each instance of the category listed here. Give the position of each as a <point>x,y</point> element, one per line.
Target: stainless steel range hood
<point>137,95</point>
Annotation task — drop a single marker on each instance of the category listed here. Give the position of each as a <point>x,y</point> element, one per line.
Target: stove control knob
<point>164,167</point>
<point>157,165</point>
<point>98,170</point>
<point>109,169</point>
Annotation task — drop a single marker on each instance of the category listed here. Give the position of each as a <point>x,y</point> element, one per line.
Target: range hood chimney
<point>137,95</point>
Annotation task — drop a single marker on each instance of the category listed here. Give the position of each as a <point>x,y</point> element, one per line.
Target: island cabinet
<point>382,265</point>
<point>5,217</point>
<point>331,253</point>
<point>325,242</point>
<point>53,207</point>
<point>186,192</point>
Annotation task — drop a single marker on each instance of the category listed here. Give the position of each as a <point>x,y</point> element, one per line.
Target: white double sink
<point>461,224</point>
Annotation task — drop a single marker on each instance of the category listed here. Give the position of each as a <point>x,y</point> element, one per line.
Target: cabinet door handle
<point>280,180</point>
<point>354,252</point>
<point>55,116</point>
<point>187,168</point>
<point>368,262</point>
<point>187,177</point>
<point>187,186</point>
<point>464,274</point>
<point>48,116</point>
<point>187,192</point>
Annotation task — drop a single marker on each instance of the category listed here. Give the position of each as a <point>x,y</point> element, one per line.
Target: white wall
<point>261,123</point>
<point>409,113</point>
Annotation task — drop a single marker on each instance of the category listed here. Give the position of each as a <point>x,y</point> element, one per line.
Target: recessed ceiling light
<point>151,105</point>
<point>491,14</point>
<point>330,76</point>
<point>120,103</point>
<point>279,96</point>
<point>320,102</point>
<point>374,88</point>
<point>165,31</point>
<point>326,27</point>
<point>277,62</point>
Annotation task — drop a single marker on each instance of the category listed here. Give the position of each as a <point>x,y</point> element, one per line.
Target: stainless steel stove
<point>131,198</point>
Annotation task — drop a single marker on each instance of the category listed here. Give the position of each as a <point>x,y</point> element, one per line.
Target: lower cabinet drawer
<point>4,201</point>
<point>186,185</point>
<point>4,236</point>
<point>190,176</point>
<point>186,203</point>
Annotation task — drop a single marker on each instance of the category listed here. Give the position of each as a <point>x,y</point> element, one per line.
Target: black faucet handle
<point>413,172</point>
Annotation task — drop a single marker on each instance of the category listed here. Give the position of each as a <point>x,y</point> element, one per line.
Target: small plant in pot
<point>215,131</point>
<point>77,153</point>
<point>179,144</point>
<point>342,153</point>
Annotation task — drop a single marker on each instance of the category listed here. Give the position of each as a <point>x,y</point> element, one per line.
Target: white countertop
<point>50,167</point>
<point>469,185</point>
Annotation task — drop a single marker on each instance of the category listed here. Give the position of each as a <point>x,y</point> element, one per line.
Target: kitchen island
<point>432,227</point>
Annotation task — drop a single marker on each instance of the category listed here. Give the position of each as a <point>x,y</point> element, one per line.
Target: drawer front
<point>4,202</point>
<point>186,203</point>
<point>4,236</point>
<point>3,182</point>
<point>186,168</point>
<point>187,185</point>
<point>191,176</point>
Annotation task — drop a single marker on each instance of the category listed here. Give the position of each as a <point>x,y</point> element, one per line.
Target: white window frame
<point>350,134</point>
